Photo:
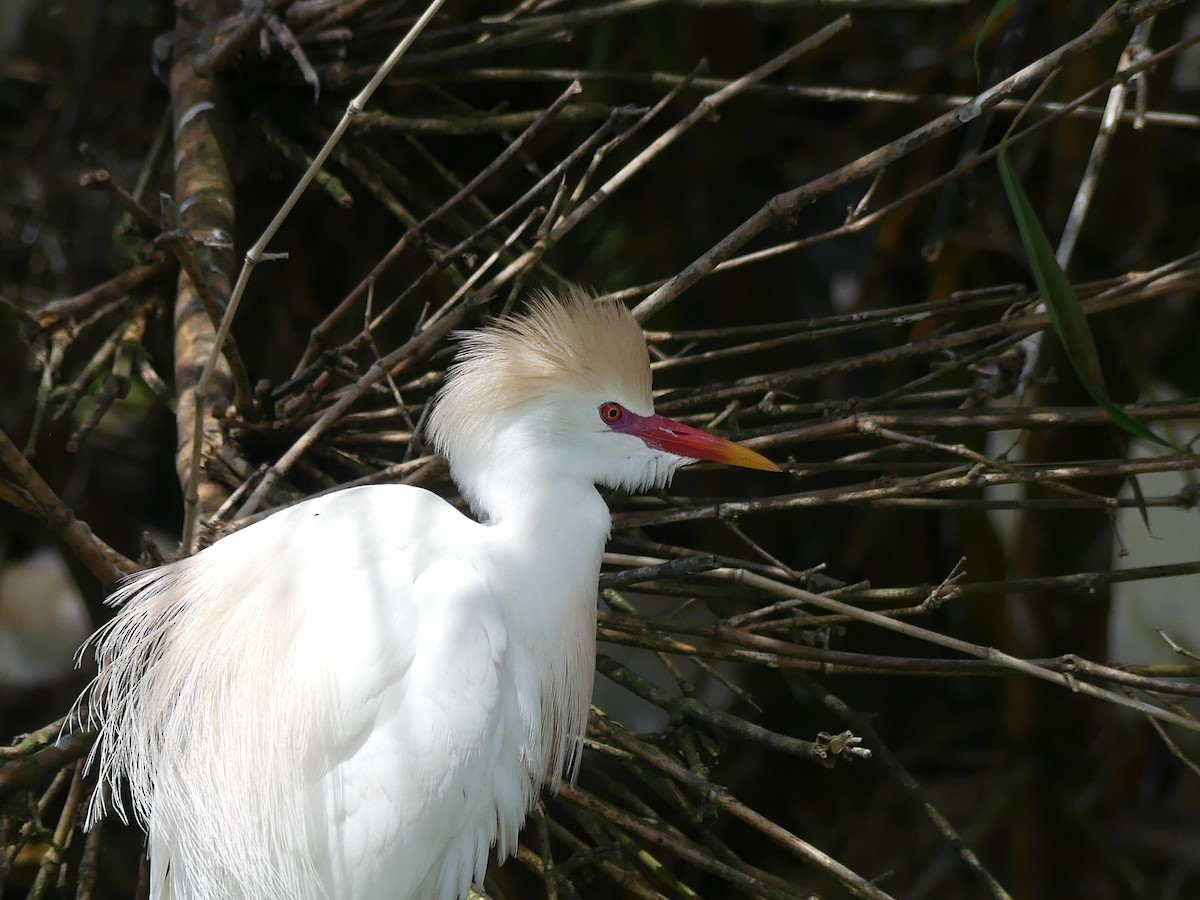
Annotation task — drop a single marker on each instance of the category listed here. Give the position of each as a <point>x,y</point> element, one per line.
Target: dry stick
<point>149,173</point>
<point>704,108</point>
<point>202,110</point>
<point>18,498</point>
<point>453,181</point>
<point>868,427</point>
<point>485,266</point>
<point>414,234</point>
<point>483,35</point>
<point>116,384</point>
<point>771,886</point>
<point>717,796</point>
<point>772,382</point>
<point>1008,419</point>
<point>686,565</point>
<point>53,856</point>
<point>697,710</point>
<point>826,94</point>
<point>754,648</point>
<point>255,253</point>
<point>965,647</point>
<point>953,197</point>
<point>294,153</point>
<point>225,49</point>
<point>545,232</point>
<point>554,234</point>
<point>747,350</point>
<point>621,139</point>
<point>1113,111</point>
<point>1124,295</point>
<point>53,313</point>
<point>453,56</point>
<point>65,397</point>
<point>1100,504</point>
<point>102,179</point>
<point>342,12</point>
<point>862,725</point>
<point>39,766</point>
<point>383,367</point>
<point>467,190</point>
<point>631,881</point>
<point>102,561</point>
<point>544,26</point>
<point>1174,747</point>
<point>375,173</point>
<point>51,361</point>
<point>785,206</point>
<point>155,383</point>
<point>480,124</point>
<point>28,830</point>
<point>804,336</point>
<point>378,370</point>
<point>549,872</point>
<point>35,741</point>
<point>961,302</point>
<point>431,332</point>
<point>184,248</point>
<point>857,221</point>
<point>620,824</point>
<point>1032,345</point>
<point>602,828</point>
<point>89,863</point>
<point>287,40</point>
<point>959,478</point>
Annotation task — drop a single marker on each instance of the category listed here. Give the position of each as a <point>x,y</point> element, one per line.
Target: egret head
<point>563,390</point>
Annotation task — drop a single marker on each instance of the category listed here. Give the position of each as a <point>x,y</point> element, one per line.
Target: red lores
<point>666,434</point>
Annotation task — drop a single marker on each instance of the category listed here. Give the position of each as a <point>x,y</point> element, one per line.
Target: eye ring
<point>612,413</point>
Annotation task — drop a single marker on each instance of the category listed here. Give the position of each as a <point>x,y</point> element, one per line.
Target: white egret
<point>357,697</point>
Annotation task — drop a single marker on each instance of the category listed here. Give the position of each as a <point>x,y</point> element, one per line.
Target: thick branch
<point>102,560</point>
<point>204,195</point>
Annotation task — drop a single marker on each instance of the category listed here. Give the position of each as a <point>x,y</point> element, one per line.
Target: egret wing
<point>243,684</point>
<point>406,781</point>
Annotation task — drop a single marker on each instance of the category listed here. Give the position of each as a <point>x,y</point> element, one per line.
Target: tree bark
<point>204,201</point>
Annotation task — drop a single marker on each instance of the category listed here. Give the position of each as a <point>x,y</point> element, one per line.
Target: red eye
<point>612,412</point>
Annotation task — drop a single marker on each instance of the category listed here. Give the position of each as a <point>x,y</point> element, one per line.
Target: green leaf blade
<point>1062,303</point>
<point>998,9</point>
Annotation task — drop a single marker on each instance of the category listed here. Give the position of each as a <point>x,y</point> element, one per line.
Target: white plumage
<point>358,696</point>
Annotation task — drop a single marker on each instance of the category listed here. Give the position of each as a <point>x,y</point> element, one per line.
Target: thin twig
<point>719,798</point>
<point>820,93</point>
<point>895,768</point>
<point>952,643</point>
<point>1113,113</point>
